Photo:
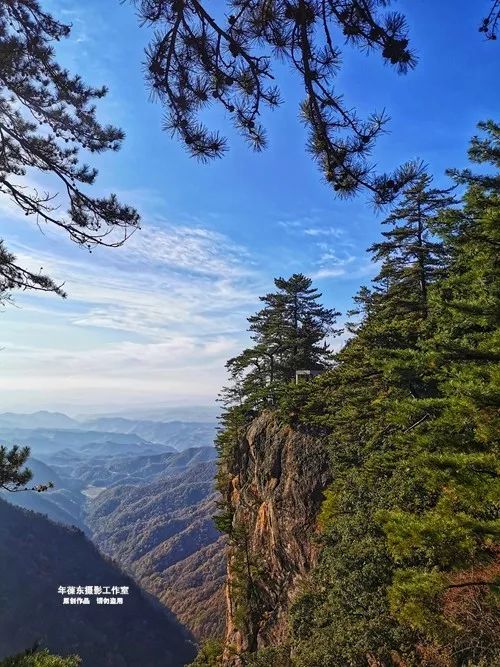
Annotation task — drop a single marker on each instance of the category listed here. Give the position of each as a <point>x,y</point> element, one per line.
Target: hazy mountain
<point>46,441</point>
<point>42,473</point>
<point>113,449</point>
<point>187,413</point>
<point>145,503</point>
<point>107,471</point>
<point>41,419</point>
<point>178,434</point>
<point>37,557</point>
<point>59,504</point>
<point>163,533</point>
<point>50,431</point>
<point>63,506</point>
<point>77,476</point>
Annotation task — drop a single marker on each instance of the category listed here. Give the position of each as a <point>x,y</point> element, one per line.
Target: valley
<point>143,493</point>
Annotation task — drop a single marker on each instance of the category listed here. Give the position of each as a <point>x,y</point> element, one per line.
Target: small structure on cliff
<point>305,375</point>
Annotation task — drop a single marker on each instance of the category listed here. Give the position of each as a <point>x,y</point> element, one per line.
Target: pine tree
<point>13,475</point>
<point>201,55</point>
<point>412,405</point>
<point>46,116</point>
<point>411,255</point>
<point>410,532</point>
<point>289,333</point>
<point>447,548</point>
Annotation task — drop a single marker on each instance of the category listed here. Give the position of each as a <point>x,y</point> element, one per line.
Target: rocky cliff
<point>274,482</point>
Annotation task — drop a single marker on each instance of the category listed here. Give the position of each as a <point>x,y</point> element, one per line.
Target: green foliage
<point>408,570</point>
<point>47,116</point>
<point>12,476</point>
<point>40,659</point>
<point>410,524</point>
<point>272,656</point>
<point>414,599</point>
<point>199,56</point>
<point>210,654</point>
<point>224,520</point>
<point>290,334</point>
<point>457,444</point>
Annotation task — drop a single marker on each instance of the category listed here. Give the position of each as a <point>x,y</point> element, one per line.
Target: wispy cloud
<point>176,296</point>
<point>332,232</point>
<point>332,253</point>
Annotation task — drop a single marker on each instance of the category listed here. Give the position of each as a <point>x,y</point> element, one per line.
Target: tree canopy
<point>228,56</point>
<point>13,475</point>
<point>290,333</point>
<point>410,522</point>
<point>201,55</point>
<point>40,658</point>
<point>47,115</point>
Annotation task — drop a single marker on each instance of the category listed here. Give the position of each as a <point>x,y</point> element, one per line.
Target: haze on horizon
<point>152,323</point>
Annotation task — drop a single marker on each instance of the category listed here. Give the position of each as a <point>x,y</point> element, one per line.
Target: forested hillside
<point>407,412</point>
<point>163,533</point>
<point>37,557</point>
<point>152,513</point>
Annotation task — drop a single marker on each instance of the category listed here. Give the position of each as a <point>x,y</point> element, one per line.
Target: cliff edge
<point>275,479</point>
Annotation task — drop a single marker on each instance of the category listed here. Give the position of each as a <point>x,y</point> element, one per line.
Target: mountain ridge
<point>38,556</point>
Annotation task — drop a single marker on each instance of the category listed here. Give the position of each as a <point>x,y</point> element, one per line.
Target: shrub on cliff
<point>40,659</point>
<point>209,655</point>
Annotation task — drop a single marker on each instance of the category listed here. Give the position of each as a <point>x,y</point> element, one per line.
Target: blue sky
<point>153,322</point>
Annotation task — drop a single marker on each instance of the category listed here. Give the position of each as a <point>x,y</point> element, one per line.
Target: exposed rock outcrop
<point>276,477</point>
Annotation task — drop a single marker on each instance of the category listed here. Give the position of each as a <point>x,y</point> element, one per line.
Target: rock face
<point>276,477</point>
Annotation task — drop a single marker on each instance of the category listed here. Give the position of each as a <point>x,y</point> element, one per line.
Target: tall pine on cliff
<point>290,333</point>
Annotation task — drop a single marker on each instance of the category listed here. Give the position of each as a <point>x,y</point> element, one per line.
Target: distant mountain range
<point>48,429</point>
<point>143,492</point>
<point>41,419</point>
<point>37,557</point>
<point>73,473</point>
<point>187,413</point>
<point>64,503</point>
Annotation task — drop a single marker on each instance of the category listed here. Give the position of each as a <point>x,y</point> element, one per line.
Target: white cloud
<point>152,320</point>
<point>176,298</point>
<point>334,232</point>
<point>328,273</point>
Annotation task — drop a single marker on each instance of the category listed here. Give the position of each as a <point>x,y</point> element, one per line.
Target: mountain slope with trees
<point>408,413</point>
<point>37,557</point>
<point>164,535</point>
